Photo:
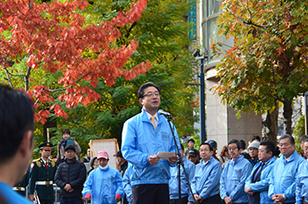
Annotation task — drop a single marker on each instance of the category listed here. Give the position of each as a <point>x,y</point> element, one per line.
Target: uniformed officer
<point>42,175</point>
<point>21,186</point>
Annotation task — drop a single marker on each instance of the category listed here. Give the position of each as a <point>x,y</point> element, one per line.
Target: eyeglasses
<point>150,94</point>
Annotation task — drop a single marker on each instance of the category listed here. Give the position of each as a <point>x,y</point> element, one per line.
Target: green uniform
<point>41,180</point>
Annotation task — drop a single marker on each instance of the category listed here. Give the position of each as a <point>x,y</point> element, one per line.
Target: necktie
<point>258,171</point>
<point>153,121</point>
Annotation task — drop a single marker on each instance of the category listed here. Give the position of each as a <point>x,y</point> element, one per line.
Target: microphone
<point>164,113</point>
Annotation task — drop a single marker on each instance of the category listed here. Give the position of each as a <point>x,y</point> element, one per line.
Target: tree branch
<point>249,22</point>
<point>26,78</point>
<point>8,77</point>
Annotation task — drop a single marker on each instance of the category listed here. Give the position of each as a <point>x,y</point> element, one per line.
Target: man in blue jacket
<point>234,175</point>
<point>206,181</point>
<point>143,136</point>
<point>258,182</point>
<point>283,178</point>
<point>174,181</point>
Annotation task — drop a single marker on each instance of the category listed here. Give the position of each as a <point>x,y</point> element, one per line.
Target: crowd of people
<point>262,173</point>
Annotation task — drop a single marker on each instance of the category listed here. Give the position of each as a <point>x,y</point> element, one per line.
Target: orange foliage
<point>56,43</point>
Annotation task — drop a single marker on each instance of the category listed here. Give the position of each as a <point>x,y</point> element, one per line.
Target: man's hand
<point>67,187</point>
<point>31,196</point>
<point>173,159</point>
<point>249,191</point>
<point>153,159</point>
<point>198,198</point>
<point>278,198</point>
<point>88,196</point>
<point>228,200</point>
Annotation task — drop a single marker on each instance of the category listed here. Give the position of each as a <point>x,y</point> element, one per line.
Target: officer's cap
<point>46,145</point>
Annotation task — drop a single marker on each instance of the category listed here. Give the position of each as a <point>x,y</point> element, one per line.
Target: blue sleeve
<point>264,183</point>
<point>290,191</point>
<point>129,149</point>
<point>236,193</point>
<point>302,178</point>
<point>248,180</point>
<point>126,184</point>
<point>191,175</point>
<point>271,188</point>
<point>119,184</point>
<point>173,146</point>
<point>211,182</point>
<point>88,185</point>
<point>223,189</point>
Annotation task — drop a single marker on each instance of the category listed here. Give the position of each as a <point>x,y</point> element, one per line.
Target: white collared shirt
<point>149,117</point>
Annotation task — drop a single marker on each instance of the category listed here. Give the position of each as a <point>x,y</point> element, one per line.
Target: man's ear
<point>26,143</point>
<point>141,101</point>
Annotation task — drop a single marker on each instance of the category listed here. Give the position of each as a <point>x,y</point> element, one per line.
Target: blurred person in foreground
<point>16,146</point>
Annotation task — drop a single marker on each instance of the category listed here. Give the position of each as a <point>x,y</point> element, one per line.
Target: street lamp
<point>306,112</point>
<point>197,56</point>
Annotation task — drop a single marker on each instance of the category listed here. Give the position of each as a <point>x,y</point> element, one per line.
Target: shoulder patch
<point>52,162</point>
<point>38,163</point>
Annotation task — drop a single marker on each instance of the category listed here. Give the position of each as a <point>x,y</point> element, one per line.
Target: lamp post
<point>197,56</point>
<point>306,112</point>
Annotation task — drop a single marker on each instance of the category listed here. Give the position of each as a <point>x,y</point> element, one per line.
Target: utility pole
<point>201,85</point>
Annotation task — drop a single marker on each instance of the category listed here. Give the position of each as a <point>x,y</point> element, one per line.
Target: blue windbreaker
<point>262,185</point>
<point>103,185</point>
<point>206,180</point>
<point>140,140</point>
<point>174,181</point>
<point>233,179</point>
<point>126,183</point>
<point>283,176</point>
<point>302,183</point>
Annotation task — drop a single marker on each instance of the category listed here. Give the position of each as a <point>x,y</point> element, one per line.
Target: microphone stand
<point>180,162</point>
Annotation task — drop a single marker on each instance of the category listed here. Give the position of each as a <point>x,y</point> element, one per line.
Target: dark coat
<point>71,173</point>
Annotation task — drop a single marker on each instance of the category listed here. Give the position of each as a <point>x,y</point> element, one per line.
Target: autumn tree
<point>268,60</point>
<point>52,40</point>
<point>162,36</point>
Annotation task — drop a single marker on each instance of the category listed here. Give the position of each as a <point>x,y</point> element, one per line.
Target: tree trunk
<point>272,124</point>
<point>287,114</point>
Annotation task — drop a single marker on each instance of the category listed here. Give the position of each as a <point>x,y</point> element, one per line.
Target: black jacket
<point>71,173</point>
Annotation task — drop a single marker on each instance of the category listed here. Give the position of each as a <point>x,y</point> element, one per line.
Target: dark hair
<point>303,138</point>
<point>291,139</point>
<point>92,160</point>
<point>223,150</point>
<point>235,141</point>
<point>182,147</point>
<point>191,140</point>
<point>140,93</point>
<point>242,144</point>
<point>16,117</point>
<point>270,146</point>
<point>66,131</point>
<point>256,137</point>
<point>208,144</point>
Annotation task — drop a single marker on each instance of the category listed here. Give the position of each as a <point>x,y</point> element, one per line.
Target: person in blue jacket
<point>258,181</point>
<point>16,146</point>
<point>127,184</point>
<point>104,184</point>
<point>234,175</point>
<point>205,185</point>
<point>283,178</point>
<point>302,183</point>
<point>174,181</point>
<point>143,136</point>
